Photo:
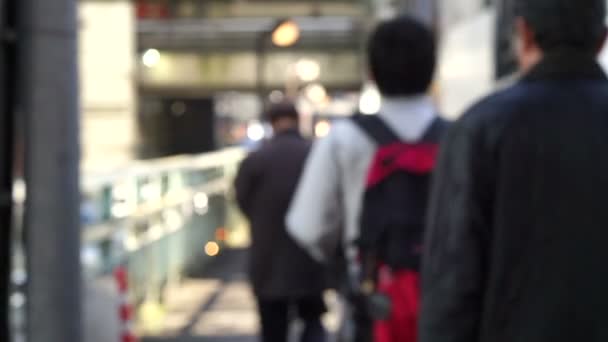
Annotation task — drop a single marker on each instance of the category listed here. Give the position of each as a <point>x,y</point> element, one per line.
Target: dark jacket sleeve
<point>453,269</point>
<point>245,184</point>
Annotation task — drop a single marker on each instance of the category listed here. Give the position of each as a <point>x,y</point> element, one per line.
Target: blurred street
<point>123,145</point>
<point>214,305</point>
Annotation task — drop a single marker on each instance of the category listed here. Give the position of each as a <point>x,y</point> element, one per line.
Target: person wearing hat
<point>284,278</point>
<point>517,230</point>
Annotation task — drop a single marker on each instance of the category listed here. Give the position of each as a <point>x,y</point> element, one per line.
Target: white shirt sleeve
<point>315,216</point>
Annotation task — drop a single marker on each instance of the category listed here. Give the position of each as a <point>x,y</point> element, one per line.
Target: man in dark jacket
<point>516,248</point>
<point>284,277</point>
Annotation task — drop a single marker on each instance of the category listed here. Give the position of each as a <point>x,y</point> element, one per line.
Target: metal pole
<point>48,38</point>
<point>260,82</point>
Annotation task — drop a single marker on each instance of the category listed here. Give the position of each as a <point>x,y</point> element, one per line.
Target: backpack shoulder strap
<point>376,129</point>
<point>435,131</point>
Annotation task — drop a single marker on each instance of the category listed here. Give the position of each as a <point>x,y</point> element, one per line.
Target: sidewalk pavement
<point>216,305</point>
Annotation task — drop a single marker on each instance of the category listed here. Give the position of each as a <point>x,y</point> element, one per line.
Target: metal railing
<point>158,218</point>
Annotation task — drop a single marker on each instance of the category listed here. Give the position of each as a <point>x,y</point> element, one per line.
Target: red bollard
<point>125,311</point>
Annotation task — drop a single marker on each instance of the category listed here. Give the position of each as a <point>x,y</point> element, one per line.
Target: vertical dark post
<point>260,81</point>
<point>49,99</point>
<point>504,56</point>
<point>7,102</point>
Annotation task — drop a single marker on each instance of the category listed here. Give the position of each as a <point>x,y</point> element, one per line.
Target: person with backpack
<point>518,226</point>
<point>364,187</point>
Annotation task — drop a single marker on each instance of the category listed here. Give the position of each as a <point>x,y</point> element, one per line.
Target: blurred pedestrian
<point>364,187</point>
<point>516,247</point>
<point>285,279</point>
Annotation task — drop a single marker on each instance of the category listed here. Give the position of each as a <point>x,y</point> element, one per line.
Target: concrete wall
<point>453,12</point>
<point>466,68</point>
<point>107,61</point>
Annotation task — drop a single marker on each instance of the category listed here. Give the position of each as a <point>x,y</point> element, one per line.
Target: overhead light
<point>151,58</point>
<point>316,93</point>
<point>286,34</point>
<point>308,70</point>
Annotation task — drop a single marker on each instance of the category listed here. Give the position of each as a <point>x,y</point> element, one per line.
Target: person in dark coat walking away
<point>518,226</point>
<point>284,277</point>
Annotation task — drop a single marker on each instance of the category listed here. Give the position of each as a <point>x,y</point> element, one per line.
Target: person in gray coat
<point>284,277</point>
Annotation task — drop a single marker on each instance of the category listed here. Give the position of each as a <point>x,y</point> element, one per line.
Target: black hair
<point>284,109</point>
<point>402,57</point>
<point>576,24</point>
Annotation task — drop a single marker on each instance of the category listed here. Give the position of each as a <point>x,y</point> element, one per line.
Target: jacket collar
<point>406,104</point>
<point>566,65</point>
<point>408,117</point>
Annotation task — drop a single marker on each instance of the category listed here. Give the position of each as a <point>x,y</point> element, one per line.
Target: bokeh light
<point>322,128</point>
<point>151,58</point>
<point>286,34</point>
<point>212,248</point>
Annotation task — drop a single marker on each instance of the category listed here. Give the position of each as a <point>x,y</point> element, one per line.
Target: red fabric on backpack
<point>414,158</point>
<point>403,288</point>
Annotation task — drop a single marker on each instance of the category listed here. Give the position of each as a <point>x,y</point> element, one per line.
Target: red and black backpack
<point>391,226</point>
<point>394,204</point>
<point>396,195</point>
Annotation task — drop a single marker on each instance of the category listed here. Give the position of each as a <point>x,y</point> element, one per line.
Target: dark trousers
<point>276,314</point>
<point>361,321</point>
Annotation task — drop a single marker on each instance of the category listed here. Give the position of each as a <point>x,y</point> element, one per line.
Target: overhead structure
<point>239,34</point>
